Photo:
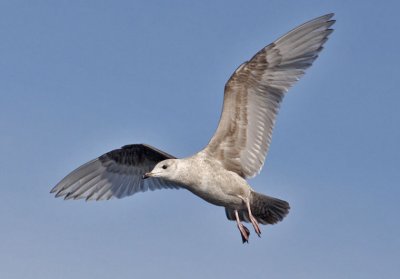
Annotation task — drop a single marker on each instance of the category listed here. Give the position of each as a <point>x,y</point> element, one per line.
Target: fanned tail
<point>266,210</point>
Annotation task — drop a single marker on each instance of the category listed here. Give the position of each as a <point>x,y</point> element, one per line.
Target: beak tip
<point>146,175</point>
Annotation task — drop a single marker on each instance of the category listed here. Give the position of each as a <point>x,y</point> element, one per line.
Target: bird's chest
<point>218,186</point>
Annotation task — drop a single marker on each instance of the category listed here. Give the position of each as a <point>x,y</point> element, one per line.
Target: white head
<point>166,169</point>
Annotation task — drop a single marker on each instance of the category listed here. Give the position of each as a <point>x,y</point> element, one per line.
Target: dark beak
<point>146,175</point>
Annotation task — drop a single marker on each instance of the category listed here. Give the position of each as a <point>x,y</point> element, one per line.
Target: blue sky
<point>79,78</point>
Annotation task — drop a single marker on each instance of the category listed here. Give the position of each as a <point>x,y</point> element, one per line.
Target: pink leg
<point>253,221</point>
<point>244,232</point>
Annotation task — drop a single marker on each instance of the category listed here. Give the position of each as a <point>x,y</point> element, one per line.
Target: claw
<point>244,232</point>
<point>246,235</point>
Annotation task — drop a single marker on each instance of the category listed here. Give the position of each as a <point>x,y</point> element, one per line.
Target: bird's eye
<point>164,167</point>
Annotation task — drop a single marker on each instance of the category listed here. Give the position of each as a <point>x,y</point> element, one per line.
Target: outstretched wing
<point>117,173</point>
<point>254,92</point>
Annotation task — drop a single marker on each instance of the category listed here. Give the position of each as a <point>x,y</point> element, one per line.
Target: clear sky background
<point>80,78</point>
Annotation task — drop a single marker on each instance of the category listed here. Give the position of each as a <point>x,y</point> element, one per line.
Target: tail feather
<point>267,210</point>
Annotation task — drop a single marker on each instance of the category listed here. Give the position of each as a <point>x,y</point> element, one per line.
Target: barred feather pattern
<point>255,91</point>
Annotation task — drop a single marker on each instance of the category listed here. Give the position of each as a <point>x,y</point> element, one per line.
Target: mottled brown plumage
<point>237,150</point>
<point>254,92</point>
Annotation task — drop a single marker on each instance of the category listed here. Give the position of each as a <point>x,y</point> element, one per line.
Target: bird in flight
<point>235,153</point>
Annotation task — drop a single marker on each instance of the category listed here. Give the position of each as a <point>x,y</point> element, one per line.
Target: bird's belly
<point>219,199</point>
<point>232,196</point>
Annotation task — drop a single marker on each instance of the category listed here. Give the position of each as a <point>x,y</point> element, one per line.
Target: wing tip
<point>330,15</point>
<point>59,194</point>
<point>325,17</point>
<point>325,21</point>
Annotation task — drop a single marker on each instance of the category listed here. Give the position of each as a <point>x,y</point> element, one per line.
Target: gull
<point>235,153</point>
